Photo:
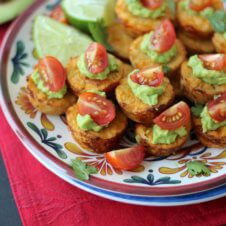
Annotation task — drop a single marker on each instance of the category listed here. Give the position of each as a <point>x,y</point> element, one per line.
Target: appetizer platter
<point>125,99</point>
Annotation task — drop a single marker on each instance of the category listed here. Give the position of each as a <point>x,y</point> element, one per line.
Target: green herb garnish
<point>82,170</point>
<point>218,21</point>
<point>197,168</point>
<point>99,34</point>
<point>197,110</point>
<point>172,6</point>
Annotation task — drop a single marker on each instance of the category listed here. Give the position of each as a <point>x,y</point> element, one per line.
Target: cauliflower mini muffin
<point>119,40</point>
<point>95,69</point>
<point>169,132</point>
<point>144,94</point>
<point>192,16</point>
<point>194,44</point>
<point>203,77</point>
<point>159,47</point>
<point>95,123</point>
<point>142,16</point>
<point>46,87</point>
<point>219,42</point>
<point>210,122</point>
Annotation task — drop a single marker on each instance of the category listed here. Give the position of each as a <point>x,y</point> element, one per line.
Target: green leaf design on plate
<point>151,180</point>
<point>18,62</point>
<point>43,134</point>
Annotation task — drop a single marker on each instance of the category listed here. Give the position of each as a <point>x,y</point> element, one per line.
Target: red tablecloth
<point>44,199</point>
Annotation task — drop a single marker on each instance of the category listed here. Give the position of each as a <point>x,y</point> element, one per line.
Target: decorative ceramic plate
<point>158,181</point>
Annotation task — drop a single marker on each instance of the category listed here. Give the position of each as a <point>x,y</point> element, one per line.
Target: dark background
<point>9,215</point>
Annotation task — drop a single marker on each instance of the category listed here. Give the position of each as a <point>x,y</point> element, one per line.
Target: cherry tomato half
<point>58,14</point>
<point>101,110</point>
<point>214,61</point>
<point>52,73</point>
<point>199,5</point>
<point>217,108</point>
<point>152,4</point>
<point>174,117</point>
<point>96,58</point>
<point>126,159</point>
<point>150,76</point>
<point>163,37</point>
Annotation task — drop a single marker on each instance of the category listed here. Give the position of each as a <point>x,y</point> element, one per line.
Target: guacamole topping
<point>208,123</point>
<point>148,95</point>
<point>206,12</point>
<point>103,94</point>
<point>40,85</point>
<point>112,66</point>
<point>209,76</point>
<point>161,136</point>
<point>162,58</point>
<point>224,35</point>
<point>86,123</point>
<point>136,8</point>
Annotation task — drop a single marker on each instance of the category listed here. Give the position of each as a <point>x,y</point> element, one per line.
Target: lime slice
<point>82,12</point>
<point>58,40</point>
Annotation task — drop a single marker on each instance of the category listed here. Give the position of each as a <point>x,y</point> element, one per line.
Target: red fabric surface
<point>44,199</point>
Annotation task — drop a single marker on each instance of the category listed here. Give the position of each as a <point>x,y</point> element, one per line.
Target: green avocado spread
<point>209,76</point>
<point>161,136</point>
<point>224,35</point>
<point>162,58</point>
<point>206,12</point>
<point>136,8</point>
<point>112,66</point>
<point>148,95</point>
<point>40,85</point>
<point>208,123</point>
<point>85,122</point>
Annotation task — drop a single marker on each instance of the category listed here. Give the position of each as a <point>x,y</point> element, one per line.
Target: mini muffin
<point>144,94</point>
<point>158,48</point>
<point>46,86</point>
<point>140,17</point>
<point>194,44</point>
<point>169,132</point>
<point>219,42</point>
<point>119,40</point>
<point>192,16</point>
<point>95,123</point>
<point>210,122</point>
<point>95,69</point>
<point>203,77</point>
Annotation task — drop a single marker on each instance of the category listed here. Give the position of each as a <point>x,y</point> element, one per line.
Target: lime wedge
<point>58,40</point>
<point>82,12</point>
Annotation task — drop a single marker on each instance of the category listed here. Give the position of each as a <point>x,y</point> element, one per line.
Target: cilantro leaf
<point>197,110</point>
<point>99,34</point>
<point>166,69</point>
<point>197,168</point>
<point>82,170</point>
<point>218,21</point>
<point>172,6</point>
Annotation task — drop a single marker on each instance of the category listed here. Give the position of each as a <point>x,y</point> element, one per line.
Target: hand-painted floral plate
<point>162,181</point>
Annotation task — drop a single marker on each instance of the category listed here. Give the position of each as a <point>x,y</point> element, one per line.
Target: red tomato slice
<point>96,58</point>
<point>126,159</point>
<point>163,37</point>
<point>152,4</point>
<point>174,117</point>
<point>150,76</point>
<point>52,73</point>
<point>217,108</point>
<point>199,5</point>
<point>58,14</point>
<point>101,110</point>
<point>214,61</point>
